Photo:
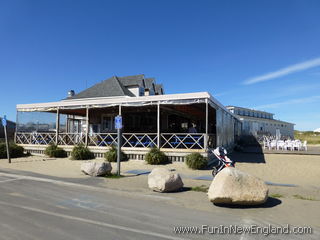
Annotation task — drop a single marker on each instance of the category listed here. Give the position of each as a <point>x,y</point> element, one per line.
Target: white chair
<point>289,145</point>
<point>280,145</point>
<point>304,146</point>
<point>273,144</point>
<point>266,144</point>
<point>297,145</point>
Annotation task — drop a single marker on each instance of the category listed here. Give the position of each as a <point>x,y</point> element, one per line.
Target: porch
<point>178,127</point>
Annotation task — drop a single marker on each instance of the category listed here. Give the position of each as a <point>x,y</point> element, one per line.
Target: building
<point>150,119</point>
<point>257,123</point>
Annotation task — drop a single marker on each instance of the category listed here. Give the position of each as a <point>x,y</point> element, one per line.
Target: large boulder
<point>163,180</point>
<point>96,169</point>
<point>231,186</point>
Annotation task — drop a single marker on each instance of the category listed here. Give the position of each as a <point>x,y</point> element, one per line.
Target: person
<point>192,129</point>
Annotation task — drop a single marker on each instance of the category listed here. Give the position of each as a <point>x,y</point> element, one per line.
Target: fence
<point>133,140</point>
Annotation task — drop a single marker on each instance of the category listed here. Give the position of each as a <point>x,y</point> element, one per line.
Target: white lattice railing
<point>71,138</point>
<point>183,140</point>
<point>134,140</point>
<point>103,139</point>
<point>143,140</point>
<point>35,138</point>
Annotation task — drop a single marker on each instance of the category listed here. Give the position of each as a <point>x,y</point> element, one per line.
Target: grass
<point>201,188</point>
<point>297,196</point>
<point>276,195</point>
<point>114,176</point>
<point>310,137</point>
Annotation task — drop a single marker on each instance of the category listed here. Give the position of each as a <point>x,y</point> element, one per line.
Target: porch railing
<point>143,140</point>
<point>35,138</point>
<point>133,140</point>
<point>71,138</point>
<point>183,140</point>
<point>102,139</point>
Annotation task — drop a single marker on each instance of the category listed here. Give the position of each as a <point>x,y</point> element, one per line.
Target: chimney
<point>71,93</point>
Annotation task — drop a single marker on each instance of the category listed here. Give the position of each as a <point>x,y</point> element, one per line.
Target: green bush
<point>111,155</point>
<point>196,161</point>
<point>156,157</point>
<point>80,152</point>
<point>14,150</point>
<point>54,151</point>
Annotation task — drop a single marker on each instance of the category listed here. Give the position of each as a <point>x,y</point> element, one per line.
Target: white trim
<point>115,100</point>
<point>154,99</point>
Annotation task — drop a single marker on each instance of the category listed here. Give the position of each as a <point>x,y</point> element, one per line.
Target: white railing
<point>132,140</point>
<point>183,140</point>
<point>102,139</point>
<point>71,138</point>
<point>35,138</point>
<point>143,140</point>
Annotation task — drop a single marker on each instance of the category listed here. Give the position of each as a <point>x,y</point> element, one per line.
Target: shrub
<point>196,161</point>
<point>54,151</point>
<point>111,155</point>
<point>14,150</point>
<point>156,157</point>
<point>80,152</point>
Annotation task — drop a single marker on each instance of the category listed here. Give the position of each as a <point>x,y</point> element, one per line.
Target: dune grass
<point>201,188</point>
<point>276,195</point>
<point>114,176</point>
<point>310,137</point>
<point>297,196</point>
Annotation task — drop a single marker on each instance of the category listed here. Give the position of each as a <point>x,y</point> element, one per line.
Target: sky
<point>258,54</point>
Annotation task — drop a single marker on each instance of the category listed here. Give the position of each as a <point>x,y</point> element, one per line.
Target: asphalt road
<point>45,208</point>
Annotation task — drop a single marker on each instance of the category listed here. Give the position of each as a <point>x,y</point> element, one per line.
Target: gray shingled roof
<point>149,83</point>
<point>158,88</point>
<point>108,88</point>
<point>117,86</point>
<point>132,80</point>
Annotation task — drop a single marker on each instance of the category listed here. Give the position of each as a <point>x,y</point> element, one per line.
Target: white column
<point>57,126</point>
<point>120,109</point>
<point>158,124</point>
<point>87,126</point>
<point>207,125</point>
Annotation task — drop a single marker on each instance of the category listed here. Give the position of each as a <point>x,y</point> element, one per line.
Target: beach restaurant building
<point>178,124</point>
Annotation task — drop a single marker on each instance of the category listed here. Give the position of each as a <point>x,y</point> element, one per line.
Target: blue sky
<point>257,54</point>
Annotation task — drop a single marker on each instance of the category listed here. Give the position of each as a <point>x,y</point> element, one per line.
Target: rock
<point>231,186</point>
<point>96,169</point>
<point>163,180</point>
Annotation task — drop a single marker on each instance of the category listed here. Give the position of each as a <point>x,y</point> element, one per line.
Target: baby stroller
<point>223,160</point>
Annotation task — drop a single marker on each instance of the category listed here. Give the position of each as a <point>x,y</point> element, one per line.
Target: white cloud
<point>289,102</point>
<point>284,71</point>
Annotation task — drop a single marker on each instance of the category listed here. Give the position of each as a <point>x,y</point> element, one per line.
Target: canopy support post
<point>87,126</point>
<point>57,126</point>
<point>158,125</point>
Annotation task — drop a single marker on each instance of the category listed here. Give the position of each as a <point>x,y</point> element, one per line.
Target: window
<point>107,123</point>
<point>141,91</point>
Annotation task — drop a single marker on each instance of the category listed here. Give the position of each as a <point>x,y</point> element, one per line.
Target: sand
<point>301,170</point>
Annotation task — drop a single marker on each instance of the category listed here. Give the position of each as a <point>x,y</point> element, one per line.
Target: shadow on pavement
<point>248,157</point>
<point>271,202</point>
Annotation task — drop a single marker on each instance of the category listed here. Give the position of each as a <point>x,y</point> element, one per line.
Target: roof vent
<point>71,93</point>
